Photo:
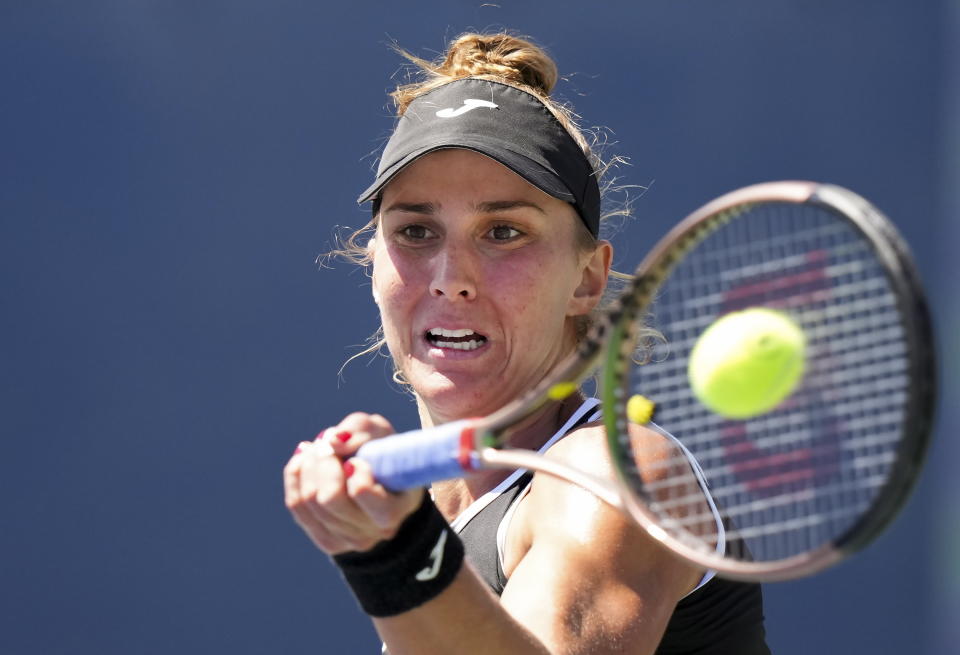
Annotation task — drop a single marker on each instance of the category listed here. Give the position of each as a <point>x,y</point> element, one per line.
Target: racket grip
<point>419,457</point>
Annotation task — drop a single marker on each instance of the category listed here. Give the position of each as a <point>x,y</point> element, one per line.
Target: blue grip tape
<point>416,458</point>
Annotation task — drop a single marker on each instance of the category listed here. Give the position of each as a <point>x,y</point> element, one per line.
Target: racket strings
<point>798,476</point>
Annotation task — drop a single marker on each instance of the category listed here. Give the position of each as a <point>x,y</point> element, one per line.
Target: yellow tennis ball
<point>747,362</point>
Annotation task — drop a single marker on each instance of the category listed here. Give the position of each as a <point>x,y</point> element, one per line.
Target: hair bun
<point>498,57</point>
<point>504,56</point>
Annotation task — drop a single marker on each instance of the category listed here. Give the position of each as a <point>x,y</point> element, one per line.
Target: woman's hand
<point>333,496</point>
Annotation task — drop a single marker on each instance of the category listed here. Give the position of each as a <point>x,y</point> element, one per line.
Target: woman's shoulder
<point>560,521</point>
<point>557,506</point>
<point>584,447</point>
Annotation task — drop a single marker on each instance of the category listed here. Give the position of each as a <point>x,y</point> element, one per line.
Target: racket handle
<point>419,457</point>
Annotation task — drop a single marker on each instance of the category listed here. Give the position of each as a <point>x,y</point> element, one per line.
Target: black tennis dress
<point>719,617</point>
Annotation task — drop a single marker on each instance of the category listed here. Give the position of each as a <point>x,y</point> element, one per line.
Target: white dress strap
<point>476,506</point>
<point>702,481</point>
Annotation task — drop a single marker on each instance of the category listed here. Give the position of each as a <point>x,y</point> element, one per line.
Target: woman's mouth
<point>462,339</point>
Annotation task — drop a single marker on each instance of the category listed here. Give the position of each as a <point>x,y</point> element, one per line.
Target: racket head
<point>815,479</point>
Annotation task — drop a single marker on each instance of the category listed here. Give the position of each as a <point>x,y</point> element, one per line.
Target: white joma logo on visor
<point>468,104</point>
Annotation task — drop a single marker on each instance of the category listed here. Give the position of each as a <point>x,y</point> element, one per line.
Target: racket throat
<point>525,459</point>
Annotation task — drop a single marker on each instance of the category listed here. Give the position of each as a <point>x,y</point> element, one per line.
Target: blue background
<point>169,172</point>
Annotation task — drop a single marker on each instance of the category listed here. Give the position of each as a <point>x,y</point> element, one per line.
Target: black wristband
<point>406,571</point>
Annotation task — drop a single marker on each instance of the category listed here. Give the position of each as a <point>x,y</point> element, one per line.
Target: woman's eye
<point>503,233</point>
<point>415,232</point>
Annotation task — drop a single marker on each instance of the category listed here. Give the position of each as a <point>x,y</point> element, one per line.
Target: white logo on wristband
<point>436,558</point>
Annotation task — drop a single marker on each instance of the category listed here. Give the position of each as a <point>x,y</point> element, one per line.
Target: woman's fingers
<point>291,477</point>
<point>301,497</point>
<point>354,431</point>
<point>386,509</point>
<point>334,498</point>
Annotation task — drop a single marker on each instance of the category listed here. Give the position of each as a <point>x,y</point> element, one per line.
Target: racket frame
<point>897,264</point>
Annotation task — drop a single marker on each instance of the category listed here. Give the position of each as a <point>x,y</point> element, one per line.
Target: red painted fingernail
<point>348,469</point>
<point>343,436</point>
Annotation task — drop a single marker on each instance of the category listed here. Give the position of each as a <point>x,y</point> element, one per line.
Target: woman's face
<point>478,278</point>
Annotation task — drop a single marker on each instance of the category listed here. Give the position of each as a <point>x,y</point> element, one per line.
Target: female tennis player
<point>486,265</point>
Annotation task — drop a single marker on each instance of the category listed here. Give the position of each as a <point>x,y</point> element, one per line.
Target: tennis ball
<point>747,362</point>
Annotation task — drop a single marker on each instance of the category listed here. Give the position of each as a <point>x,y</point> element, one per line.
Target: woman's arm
<point>346,511</point>
<point>590,581</point>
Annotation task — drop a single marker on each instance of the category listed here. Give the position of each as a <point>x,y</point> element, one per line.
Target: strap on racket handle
<point>419,457</point>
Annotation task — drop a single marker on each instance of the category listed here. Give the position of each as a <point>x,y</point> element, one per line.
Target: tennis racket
<point>777,496</point>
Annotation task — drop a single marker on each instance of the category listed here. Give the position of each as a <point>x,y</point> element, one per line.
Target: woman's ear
<point>593,280</point>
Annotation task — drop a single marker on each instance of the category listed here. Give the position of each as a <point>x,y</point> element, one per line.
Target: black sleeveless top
<point>722,617</point>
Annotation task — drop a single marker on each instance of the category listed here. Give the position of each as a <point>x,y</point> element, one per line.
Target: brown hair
<point>498,57</point>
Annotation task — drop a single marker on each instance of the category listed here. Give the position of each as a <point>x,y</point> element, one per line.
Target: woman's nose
<point>454,275</point>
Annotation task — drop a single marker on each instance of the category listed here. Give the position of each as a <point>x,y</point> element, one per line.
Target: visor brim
<point>531,171</point>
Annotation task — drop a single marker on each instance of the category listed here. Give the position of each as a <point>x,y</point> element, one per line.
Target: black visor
<point>504,123</point>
